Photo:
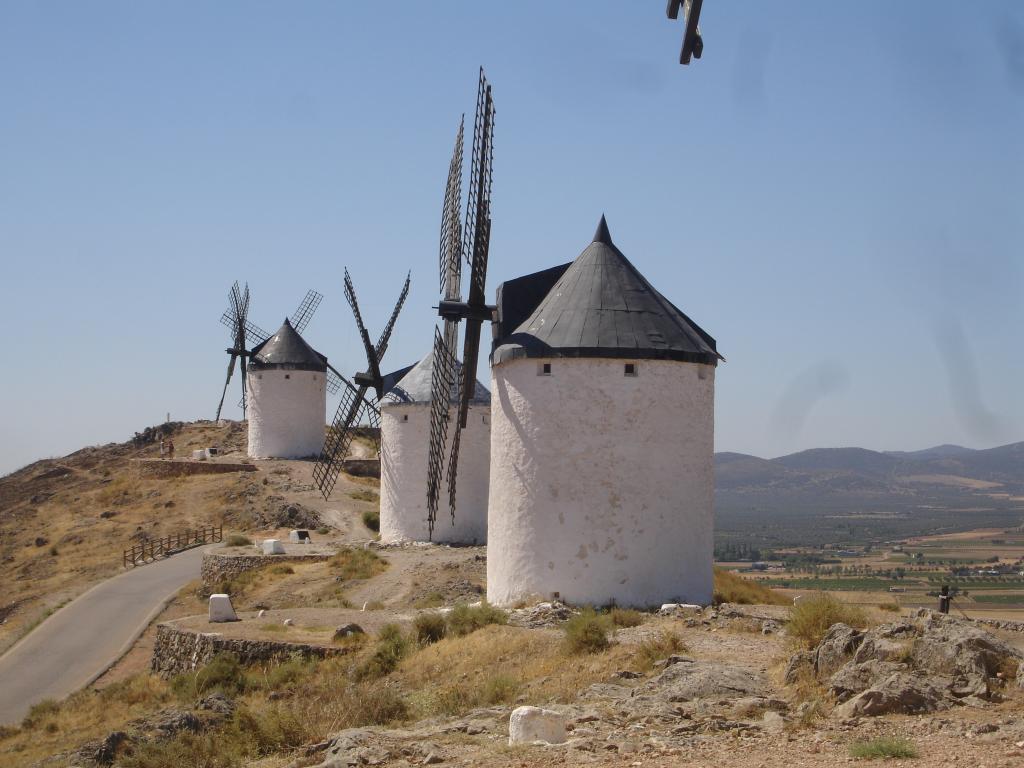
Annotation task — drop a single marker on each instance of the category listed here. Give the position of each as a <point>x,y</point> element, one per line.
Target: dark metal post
<point>944,599</point>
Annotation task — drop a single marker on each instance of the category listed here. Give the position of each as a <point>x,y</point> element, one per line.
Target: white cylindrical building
<point>602,440</point>
<point>404,446</point>
<point>287,400</point>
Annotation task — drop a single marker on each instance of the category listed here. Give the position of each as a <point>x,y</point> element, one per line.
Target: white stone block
<point>299,537</point>
<point>199,455</point>
<point>531,724</point>
<point>288,622</point>
<point>272,547</point>
<point>221,609</point>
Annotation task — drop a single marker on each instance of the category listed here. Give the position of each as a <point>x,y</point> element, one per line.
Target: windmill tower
<point>602,439</point>
<point>405,441</point>
<point>284,380</point>
<point>287,403</point>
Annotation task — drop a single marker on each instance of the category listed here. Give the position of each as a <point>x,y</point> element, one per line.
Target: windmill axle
<point>460,310</point>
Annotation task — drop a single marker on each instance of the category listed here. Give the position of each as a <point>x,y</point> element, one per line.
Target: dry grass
<point>811,618</point>
<point>626,617</point>
<point>357,563</point>
<point>91,505</point>
<point>587,632</point>
<point>733,588</point>
<point>883,749</point>
<point>661,646</point>
<point>462,669</point>
<point>364,494</point>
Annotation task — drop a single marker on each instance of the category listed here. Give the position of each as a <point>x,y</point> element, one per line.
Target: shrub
<point>500,689</point>
<point>430,627</point>
<point>392,647</point>
<point>891,607</point>
<point>281,569</point>
<point>357,563</point>
<point>224,673</point>
<point>237,540</point>
<point>371,519</point>
<point>812,616</point>
<point>587,632</point>
<point>464,619</point>
<point>323,530</point>
<point>37,713</point>
<point>363,495</point>
<point>733,588</point>
<point>625,617</point>
<point>433,600</point>
<point>658,647</point>
<point>883,748</point>
<point>378,705</point>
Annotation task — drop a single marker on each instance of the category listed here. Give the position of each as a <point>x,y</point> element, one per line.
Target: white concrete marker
<point>531,724</point>
<point>221,609</point>
<point>272,547</point>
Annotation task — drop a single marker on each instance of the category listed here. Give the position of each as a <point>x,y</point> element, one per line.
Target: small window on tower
<point>544,369</point>
<point>287,375</point>
<point>486,418</point>
<point>630,369</point>
<point>405,417</point>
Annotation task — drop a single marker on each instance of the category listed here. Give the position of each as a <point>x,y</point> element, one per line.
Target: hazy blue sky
<point>834,192</point>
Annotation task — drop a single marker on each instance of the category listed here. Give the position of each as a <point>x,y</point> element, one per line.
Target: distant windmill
<point>471,241</point>
<point>354,407</point>
<point>245,335</point>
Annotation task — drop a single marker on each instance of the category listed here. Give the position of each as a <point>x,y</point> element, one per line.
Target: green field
<point>864,584</point>
<point>999,599</point>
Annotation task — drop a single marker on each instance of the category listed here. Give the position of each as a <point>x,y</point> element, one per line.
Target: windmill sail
<point>474,248</point>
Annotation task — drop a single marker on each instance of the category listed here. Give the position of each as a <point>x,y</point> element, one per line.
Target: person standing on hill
<point>170,449</point>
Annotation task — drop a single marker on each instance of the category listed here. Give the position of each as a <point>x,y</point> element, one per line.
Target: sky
<point>835,192</point>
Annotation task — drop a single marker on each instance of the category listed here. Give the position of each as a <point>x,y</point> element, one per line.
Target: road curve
<point>77,643</point>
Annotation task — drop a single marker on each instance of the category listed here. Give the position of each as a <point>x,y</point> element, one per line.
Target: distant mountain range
<point>845,469</point>
<point>829,495</point>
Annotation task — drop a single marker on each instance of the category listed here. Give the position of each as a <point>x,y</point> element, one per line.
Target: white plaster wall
<point>602,485</point>
<point>287,413</point>
<point>404,449</point>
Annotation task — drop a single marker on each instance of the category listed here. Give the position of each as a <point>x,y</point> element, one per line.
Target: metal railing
<point>154,549</point>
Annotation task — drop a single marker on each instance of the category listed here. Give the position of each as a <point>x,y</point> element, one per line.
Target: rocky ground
<point>735,689</point>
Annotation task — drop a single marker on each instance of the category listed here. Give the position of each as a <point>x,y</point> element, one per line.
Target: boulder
<point>531,724</point>
<point>800,663</point>
<point>272,547</point>
<point>347,630</point>
<point>852,678</point>
<point>689,680</point>
<point>679,609</point>
<point>221,609</point>
<point>899,693</point>
<point>835,649</point>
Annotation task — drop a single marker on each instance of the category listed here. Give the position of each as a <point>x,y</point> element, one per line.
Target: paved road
<point>74,645</point>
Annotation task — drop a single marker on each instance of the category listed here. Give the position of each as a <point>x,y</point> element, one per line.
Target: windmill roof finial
<point>602,235</point>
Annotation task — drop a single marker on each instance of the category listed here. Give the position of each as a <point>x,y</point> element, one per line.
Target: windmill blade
<point>350,296</point>
<point>478,201</point>
<point>253,333</point>
<point>385,336</point>
<point>333,381</point>
<point>231,370</point>
<point>453,470</point>
<point>353,405</point>
<point>451,229</point>
<point>442,380</point>
<point>244,385</point>
<point>301,317</point>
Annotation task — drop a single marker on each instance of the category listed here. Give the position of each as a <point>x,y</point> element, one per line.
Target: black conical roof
<point>287,349</point>
<point>602,306</point>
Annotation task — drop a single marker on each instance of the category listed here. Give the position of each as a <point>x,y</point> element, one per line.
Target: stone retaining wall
<point>176,468</point>
<point>178,650</point>
<point>217,567</point>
